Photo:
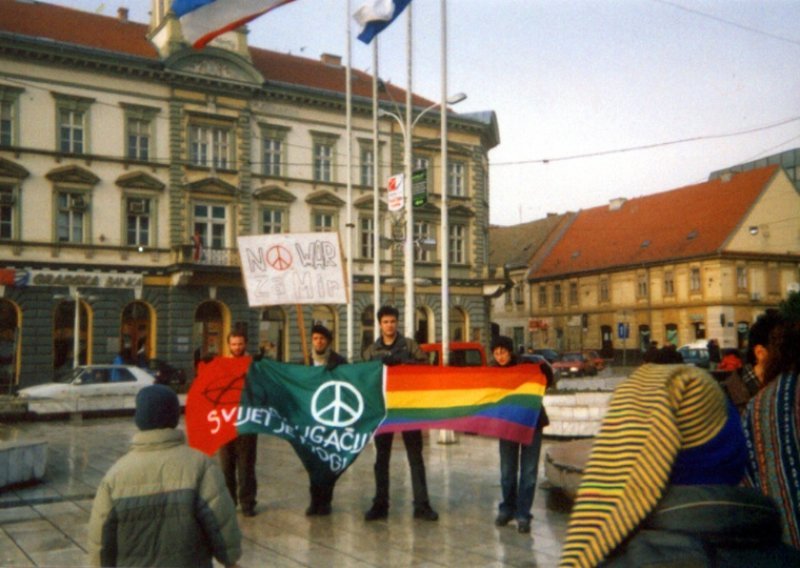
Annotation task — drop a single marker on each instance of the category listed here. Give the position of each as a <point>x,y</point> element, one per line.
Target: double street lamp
<point>407,130</point>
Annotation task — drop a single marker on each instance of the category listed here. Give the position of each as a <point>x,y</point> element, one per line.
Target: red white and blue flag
<point>203,20</point>
<point>376,15</point>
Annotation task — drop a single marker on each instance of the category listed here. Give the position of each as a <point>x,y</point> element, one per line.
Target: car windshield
<point>572,357</point>
<point>68,376</point>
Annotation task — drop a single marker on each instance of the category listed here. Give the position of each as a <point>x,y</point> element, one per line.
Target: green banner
<point>327,416</point>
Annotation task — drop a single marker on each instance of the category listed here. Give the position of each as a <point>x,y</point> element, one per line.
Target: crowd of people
<point>686,470</point>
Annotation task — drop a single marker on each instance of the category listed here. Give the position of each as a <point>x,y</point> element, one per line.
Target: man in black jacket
<point>322,355</point>
<point>392,349</point>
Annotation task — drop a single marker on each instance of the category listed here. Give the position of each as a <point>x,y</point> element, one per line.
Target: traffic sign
<point>419,187</point>
<point>623,330</point>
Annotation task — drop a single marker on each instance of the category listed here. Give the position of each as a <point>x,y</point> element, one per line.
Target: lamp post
<point>407,129</point>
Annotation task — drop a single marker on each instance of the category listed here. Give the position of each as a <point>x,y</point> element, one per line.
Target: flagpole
<point>445,234</point>
<point>409,240</point>
<point>349,177</point>
<point>376,224</point>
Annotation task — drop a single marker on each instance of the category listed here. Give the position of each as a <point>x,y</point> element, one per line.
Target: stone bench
<point>22,461</point>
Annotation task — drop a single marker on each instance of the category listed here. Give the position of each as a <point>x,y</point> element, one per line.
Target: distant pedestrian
<point>714,354</point>
<point>651,354</point>
<point>163,503</point>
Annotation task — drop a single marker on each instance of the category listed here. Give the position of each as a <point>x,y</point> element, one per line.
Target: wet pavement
<point>45,524</point>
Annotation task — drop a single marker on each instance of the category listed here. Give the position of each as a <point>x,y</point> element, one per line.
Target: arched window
<point>272,333</point>
<point>458,324</point>
<point>64,323</point>
<point>209,326</point>
<point>136,343</point>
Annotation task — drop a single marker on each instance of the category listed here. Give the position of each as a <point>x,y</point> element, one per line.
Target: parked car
<point>595,358</point>
<point>164,373</point>
<point>92,380</point>
<point>574,364</point>
<point>695,354</point>
<point>461,354</point>
<point>550,354</point>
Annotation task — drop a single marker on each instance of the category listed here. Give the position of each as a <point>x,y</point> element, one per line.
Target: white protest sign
<point>396,195</point>
<point>293,268</point>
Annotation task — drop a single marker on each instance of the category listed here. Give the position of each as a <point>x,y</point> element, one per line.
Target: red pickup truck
<point>462,354</point>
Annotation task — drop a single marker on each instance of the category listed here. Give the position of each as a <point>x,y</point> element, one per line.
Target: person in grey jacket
<point>163,503</point>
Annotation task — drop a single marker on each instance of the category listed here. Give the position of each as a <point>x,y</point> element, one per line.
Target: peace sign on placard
<point>279,258</point>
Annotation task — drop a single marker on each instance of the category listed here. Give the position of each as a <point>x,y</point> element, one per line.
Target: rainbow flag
<point>502,402</point>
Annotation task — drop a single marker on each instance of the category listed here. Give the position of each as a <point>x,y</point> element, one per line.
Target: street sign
<point>623,330</point>
<point>396,197</point>
<point>419,187</point>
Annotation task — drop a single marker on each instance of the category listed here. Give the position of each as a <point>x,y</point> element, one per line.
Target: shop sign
<point>32,277</point>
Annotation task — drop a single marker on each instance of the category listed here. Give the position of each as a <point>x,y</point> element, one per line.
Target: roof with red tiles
<point>84,29</point>
<point>683,223</point>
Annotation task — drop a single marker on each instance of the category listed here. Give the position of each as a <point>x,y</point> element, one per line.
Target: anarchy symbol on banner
<point>338,412</point>
<point>279,258</point>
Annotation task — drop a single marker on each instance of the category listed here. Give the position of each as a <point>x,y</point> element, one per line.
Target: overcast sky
<point>579,85</point>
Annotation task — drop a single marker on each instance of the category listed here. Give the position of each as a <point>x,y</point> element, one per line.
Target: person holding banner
<point>238,457</point>
<point>519,463</point>
<point>393,349</point>
<point>322,355</point>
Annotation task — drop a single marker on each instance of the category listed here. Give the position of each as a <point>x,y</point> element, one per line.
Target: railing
<point>188,254</point>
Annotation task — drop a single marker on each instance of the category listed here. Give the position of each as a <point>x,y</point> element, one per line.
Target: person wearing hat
<point>163,503</point>
<point>322,355</point>
<point>519,463</point>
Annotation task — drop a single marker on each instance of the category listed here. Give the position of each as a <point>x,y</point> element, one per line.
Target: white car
<point>89,388</point>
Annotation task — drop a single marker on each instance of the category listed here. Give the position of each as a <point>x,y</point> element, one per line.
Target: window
<point>641,285</point>
<point>324,222</point>
<point>367,165</point>
<point>741,277</point>
<point>366,236</point>
<point>72,124</point>
<point>70,217</point>
<point>272,221</point>
<point>210,222</point>
<point>421,163</point>
<point>6,213</point>
<point>211,146</point>
<point>604,293</point>
<point>422,231</point>
<point>573,293</point>
<point>542,296</point>
<point>773,280</point>
<point>458,244</point>
<point>669,283</point>
<point>557,295</point>
<point>8,118</point>
<point>138,139</point>
<point>519,288</point>
<point>138,221</point>
<point>323,161</point>
<point>455,179</point>
<point>273,149</point>
<point>694,280</point>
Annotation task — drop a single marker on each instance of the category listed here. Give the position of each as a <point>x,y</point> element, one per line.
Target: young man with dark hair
<point>322,355</point>
<point>238,457</point>
<point>393,349</point>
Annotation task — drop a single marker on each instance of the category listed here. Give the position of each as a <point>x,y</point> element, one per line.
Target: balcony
<point>187,254</point>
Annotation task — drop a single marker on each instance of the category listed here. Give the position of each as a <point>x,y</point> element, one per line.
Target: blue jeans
<point>519,467</point>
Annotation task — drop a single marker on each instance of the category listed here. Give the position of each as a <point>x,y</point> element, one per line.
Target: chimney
<point>616,203</point>
<point>122,14</point>
<point>333,60</point>
<point>726,177</point>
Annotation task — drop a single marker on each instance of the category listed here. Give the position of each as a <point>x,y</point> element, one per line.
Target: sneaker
<point>249,512</point>
<point>523,527</point>
<point>376,512</point>
<point>426,513</point>
<point>503,519</point>
<point>312,510</point>
<point>324,510</point>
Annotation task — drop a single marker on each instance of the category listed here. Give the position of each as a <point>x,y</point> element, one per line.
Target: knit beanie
<point>157,406</point>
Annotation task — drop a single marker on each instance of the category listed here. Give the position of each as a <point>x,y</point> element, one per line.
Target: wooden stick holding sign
<point>301,323</point>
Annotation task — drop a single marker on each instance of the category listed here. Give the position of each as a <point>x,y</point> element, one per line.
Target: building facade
<point>686,265</point>
<point>130,163</point>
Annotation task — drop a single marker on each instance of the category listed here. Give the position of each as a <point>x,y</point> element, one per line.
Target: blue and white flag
<point>203,20</point>
<point>376,15</point>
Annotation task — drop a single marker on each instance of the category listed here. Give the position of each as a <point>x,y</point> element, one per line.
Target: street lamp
<point>407,129</point>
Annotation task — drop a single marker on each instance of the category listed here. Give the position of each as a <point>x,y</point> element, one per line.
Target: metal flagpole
<point>409,237</point>
<point>349,178</point>
<point>445,233</point>
<point>376,223</point>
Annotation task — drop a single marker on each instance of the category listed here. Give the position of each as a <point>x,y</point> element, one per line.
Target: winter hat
<point>157,406</point>
<point>322,330</point>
